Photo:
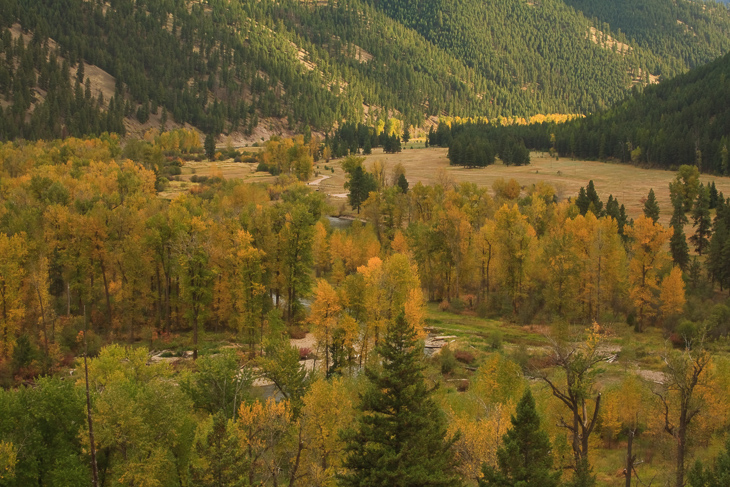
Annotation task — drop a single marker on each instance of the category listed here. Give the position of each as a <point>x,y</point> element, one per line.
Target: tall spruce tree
<point>399,439</point>
<point>678,242</point>
<point>651,208</point>
<point>524,459</point>
<point>701,220</point>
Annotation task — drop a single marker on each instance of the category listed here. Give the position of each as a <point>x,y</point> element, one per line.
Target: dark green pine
<point>651,208</point>
<point>399,439</point>
<point>524,459</point>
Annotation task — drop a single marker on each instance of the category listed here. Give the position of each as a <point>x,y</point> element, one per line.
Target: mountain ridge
<point>224,67</point>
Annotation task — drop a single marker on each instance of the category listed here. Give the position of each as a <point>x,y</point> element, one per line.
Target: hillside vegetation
<point>225,67</point>
<point>685,120</point>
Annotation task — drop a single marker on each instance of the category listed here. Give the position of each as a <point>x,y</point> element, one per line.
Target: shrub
<point>297,333</point>
<point>444,305</point>
<point>448,360</point>
<point>458,305</point>
<point>464,356</point>
<point>304,353</point>
<point>495,340</point>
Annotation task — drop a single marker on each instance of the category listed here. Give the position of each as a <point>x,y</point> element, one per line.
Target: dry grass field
<point>628,183</point>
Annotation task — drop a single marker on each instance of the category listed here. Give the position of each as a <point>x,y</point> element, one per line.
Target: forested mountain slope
<point>226,66</point>
<point>682,34</point>
<point>685,120</point>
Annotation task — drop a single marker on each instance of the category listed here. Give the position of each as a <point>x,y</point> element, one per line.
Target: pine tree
<point>594,202</point>
<point>718,475</point>
<point>651,208</point>
<point>701,220</point>
<point>524,459</point>
<point>399,439</point>
<point>360,184</point>
<point>209,146</point>
<point>678,242</point>
<point>582,201</point>
<point>402,183</point>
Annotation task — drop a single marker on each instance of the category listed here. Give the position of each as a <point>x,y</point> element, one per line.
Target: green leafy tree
<point>399,439</point>
<point>219,384</point>
<point>525,457</point>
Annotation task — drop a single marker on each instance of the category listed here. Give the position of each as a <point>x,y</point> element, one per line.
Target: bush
<point>304,353</point>
<point>297,333</point>
<point>684,334</point>
<point>464,356</point>
<point>444,306</point>
<point>448,360</point>
<point>458,305</point>
<point>495,340</point>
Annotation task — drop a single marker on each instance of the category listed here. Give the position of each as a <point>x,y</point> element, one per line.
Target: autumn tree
<point>515,238</point>
<point>263,429</point>
<point>12,273</point>
<point>399,437</point>
<point>681,398</point>
<point>525,457</point>
<point>625,411</point>
<point>575,387</point>
<point>672,294</point>
<point>647,259</point>
<point>197,275</point>
<point>327,410</point>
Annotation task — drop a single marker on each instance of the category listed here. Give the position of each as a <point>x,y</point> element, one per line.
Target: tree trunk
<point>92,446</point>
<point>629,458</point>
<point>106,293</point>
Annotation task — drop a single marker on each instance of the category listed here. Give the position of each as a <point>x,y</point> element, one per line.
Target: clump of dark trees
<point>356,138</point>
<point>685,120</point>
<point>477,144</point>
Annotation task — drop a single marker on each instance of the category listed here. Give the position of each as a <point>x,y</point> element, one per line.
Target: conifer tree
<point>701,220</point>
<point>209,146</point>
<point>678,241</point>
<point>651,208</point>
<point>524,459</point>
<point>594,202</point>
<point>399,439</point>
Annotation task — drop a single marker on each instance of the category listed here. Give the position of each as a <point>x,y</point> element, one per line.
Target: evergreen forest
<point>223,67</point>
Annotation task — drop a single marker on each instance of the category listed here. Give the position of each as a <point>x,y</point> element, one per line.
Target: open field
<point>627,183</point>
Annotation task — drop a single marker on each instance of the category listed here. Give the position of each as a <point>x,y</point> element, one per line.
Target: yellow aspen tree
<point>327,410</point>
<point>598,248</point>
<point>262,429</point>
<point>8,460</point>
<point>13,251</point>
<point>647,258</point>
<point>248,287</point>
<point>454,226</point>
<point>400,244</point>
<point>324,316</point>
<point>485,249</point>
<point>320,249</point>
<point>672,293</point>
<point>515,239</point>
<point>627,407</point>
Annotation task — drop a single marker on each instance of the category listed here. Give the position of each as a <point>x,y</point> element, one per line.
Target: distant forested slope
<point>685,120</point>
<point>226,66</point>
<point>681,33</point>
